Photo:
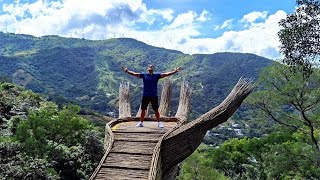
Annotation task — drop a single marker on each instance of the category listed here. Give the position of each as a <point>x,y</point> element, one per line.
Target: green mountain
<point>88,72</point>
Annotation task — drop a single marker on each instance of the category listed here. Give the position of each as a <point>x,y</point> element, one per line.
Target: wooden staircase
<point>130,153</point>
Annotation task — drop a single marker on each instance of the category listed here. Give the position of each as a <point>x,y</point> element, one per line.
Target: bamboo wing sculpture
<point>182,142</point>
<point>155,153</point>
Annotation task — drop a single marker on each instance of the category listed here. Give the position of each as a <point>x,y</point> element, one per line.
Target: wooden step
<point>129,161</point>
<point>133,147</point>
<point>122,174</point>
<point>137,137</point>
<point>148,127</point>
<point>141,130</point>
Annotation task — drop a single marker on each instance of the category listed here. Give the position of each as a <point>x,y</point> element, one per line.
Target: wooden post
<point>124,100</point>
<point>165,101</point>
<point>184,102</point>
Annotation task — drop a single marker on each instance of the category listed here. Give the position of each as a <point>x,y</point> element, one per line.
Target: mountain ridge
<point>88,72</point>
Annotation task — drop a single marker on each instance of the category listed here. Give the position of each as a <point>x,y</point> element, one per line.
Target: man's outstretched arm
<point>125,69</point>
<point>170,73</point>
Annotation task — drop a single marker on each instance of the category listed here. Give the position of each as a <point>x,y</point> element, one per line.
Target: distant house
<point>238,132</point>
<point>235,125</point>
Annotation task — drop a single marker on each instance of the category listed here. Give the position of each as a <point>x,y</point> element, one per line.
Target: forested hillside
<point>88,72</point>
<point>40,141</point>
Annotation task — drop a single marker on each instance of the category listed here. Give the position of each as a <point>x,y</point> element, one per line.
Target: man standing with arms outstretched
<point>150,85</point>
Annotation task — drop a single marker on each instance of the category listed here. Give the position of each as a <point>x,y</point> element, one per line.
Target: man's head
<point>150,68</point>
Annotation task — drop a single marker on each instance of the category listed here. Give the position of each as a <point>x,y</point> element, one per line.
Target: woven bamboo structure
<point>165,101</point>
<point>153,153</point>
<point>184,102</point>
<point>124,100</point>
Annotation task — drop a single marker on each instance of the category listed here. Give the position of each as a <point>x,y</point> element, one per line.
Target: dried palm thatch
<point>165,97</point>
<point>184,102</point>
<point>124,100</point>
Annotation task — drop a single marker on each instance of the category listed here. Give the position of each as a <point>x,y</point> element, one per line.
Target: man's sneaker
<point>160,125</point>
<point>139,124</point>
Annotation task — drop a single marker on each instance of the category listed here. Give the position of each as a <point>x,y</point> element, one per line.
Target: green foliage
<point>230,158</point>
<point>290,99</point>
<point>6,86</point>
<point>47,123</point>
<point>291,160</point>
<point>300,36</point>
<point>196,167</point>
<point>63,138</point>
<point>40,141</point>
<point>78,161</point>
<point>280,155</point>
<point>70,162</point>
<point>17,165</point>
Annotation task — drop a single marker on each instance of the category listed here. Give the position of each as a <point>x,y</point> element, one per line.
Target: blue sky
<point>190,26</point>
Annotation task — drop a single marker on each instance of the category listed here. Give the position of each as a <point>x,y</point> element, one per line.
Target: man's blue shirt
<point>150,83</point>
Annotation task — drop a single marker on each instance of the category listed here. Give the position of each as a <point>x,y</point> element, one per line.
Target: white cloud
<point>258,38</point>
<point>101,19</point>
<point>226,24</point>
<point>167,14</point>
<point>204,16</point>
<point>251,17</point>
<point>69,16</point>
<point>182,20</point>
<point>153,15</point>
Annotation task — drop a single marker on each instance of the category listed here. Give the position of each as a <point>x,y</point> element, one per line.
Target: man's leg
<point>155,107</point>
<point>143,114</point>
<point>156,112</point>
<point>160,124</point>
<point>140,123</point>
<point>144,106</point>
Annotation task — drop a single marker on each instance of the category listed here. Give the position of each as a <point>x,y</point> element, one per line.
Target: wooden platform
<point>132,149</point>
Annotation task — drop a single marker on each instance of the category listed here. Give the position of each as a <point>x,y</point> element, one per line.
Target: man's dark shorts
<point>147,99</point>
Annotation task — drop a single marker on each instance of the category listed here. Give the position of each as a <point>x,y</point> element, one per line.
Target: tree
<point>62,138</point>
<point>16,165</point>
<point>279,155</point>
<point>290,99</point>
<point>49,124</point>
<point>197,167</point>
<point>300,36</point>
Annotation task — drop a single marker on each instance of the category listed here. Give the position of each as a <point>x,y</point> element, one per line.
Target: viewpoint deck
<point>131,150</point>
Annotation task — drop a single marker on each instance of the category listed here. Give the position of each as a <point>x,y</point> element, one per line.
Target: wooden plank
<point>135,161</point>
<point>163,119</point>
<point>149,126</point>
<point>141,130</point>
<point>133,147</point>
<point>122,174</point>
<point>144,137</point>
